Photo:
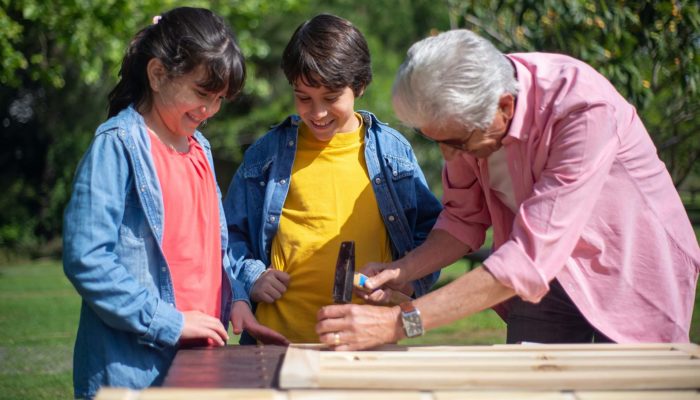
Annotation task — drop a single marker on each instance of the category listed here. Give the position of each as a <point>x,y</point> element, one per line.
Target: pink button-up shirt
<point>596,207</point>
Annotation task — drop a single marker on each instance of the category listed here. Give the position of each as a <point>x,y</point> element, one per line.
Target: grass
<point>38,318</point>
<point>39,315</point>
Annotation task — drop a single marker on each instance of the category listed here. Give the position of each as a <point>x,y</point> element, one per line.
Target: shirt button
<point>391,218</point>
<point>143,188</point>
<point>377,180</point>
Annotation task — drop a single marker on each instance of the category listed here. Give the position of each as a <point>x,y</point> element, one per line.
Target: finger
<point>273,294</point>
<point>331,325</point>
<point>267,335</point>
<point>381,279</point>
<point>218,328</point>
<point>379,296</point>
<point>333,311</point>
<point>282,277</point>
<point>278,286</point>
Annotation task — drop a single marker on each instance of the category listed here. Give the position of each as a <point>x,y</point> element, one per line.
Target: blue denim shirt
<point>113,226</point>
<point>255,198</point>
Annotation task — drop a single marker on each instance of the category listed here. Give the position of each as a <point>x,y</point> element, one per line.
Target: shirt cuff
<point>249,274</point>
<point>165,327</point>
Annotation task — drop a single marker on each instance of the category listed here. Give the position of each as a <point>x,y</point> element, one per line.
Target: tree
<point>58,61</point>
<point>648,49</point>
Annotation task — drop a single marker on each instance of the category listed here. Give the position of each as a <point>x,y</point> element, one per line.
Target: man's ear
<point>506,103</point>
<point>156,73</point>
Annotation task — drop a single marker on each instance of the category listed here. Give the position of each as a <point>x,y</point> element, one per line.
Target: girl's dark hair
<point>328,51</point>
<point>182,39</point>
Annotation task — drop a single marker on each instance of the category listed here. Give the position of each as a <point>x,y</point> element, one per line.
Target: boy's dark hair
<point>328,51</point>
<point>182,39</point>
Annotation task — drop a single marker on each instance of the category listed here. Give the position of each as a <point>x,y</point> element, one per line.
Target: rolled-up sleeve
<point>549,222</point>
<point>465,214</point>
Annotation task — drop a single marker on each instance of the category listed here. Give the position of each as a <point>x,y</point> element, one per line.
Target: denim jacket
<point>257,193</point>
<point>113,226</point>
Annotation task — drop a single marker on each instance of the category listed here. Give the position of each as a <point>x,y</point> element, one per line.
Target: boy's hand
<point>270,286</point>
<point>199,325</point>
<point>242,318</point>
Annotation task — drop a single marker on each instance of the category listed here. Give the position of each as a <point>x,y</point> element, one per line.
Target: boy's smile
<point>325,111</point>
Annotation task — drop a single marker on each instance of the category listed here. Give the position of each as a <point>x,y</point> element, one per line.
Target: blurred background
<point>59,59</point>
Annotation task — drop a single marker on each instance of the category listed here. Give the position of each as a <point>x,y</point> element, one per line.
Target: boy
<point>326,175</point>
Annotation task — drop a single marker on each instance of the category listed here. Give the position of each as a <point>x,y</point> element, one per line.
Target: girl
<point>145,235</point>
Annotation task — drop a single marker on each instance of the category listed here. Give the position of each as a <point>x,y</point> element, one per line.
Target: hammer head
<point>344,273</point>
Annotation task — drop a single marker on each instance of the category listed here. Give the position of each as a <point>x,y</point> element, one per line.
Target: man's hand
<point>270,286</point>
<point>383,280</point>
<point>350,327</point>
<point>199,325</point>
<point>242,318</point>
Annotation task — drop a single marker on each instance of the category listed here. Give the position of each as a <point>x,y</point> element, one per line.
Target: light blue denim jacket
<point>255,198</point>
<point>113,225</point>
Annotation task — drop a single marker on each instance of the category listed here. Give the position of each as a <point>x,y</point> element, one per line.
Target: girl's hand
<point>270,286</point>
<point>199,325</point>
<point>242,318</point>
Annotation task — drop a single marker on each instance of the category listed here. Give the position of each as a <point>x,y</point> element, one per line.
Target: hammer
<point>346,278</point>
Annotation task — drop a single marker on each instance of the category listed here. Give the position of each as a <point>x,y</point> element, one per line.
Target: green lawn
<point>39,314</point>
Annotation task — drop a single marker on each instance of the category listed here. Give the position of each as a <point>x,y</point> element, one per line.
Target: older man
<point>591,240</point>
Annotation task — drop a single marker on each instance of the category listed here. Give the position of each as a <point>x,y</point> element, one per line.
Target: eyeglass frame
<point>457,144</point>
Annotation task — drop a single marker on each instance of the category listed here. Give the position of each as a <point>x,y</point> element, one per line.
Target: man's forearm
<point>439,250</point>
<point>475,291</point>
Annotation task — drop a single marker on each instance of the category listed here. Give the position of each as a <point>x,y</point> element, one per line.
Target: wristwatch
<point>410,317</point>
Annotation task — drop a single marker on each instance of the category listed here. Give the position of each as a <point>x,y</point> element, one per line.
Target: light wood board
<point>502,367</point>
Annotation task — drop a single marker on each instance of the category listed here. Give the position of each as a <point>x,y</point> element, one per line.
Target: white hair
<point>456,75</point>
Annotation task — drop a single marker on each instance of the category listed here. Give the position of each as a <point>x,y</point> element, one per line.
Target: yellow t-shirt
<point>330,200</point>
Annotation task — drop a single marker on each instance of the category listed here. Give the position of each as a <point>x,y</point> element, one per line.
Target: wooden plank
<point>515,364</point>
<point>357,395</point>
<point>300,369</point>
<point>542,354</point>
<point>422,379</point>
<point>116,394</point>
<point>639,395</point>
<point>532,346</point>
<point>502,395</point>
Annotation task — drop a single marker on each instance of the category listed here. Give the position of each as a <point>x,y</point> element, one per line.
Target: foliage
<point>59,59</point>
<point>648,50</point>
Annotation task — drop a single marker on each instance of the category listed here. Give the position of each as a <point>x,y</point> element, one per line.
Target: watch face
<point>412,324</point>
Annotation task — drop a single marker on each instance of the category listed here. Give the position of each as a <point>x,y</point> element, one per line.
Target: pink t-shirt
<point>596,207</point>
<point>191,232</point>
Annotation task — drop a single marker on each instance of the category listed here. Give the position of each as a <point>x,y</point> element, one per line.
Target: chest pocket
<point>401,171</point>
<point>256,177</point>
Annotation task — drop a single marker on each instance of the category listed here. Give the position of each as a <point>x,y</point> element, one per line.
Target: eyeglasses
<point>458,144</point>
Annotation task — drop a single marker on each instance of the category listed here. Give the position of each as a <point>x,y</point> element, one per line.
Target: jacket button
<point>262,183</point>
<point>391,218</point>
<point>395,173</point>
<point>377,180</point>
<point>291,143</point>
<point>283,181</point>
<point>272,218</point>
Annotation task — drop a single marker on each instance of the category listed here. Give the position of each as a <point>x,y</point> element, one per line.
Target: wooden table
<point>566,372</point>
